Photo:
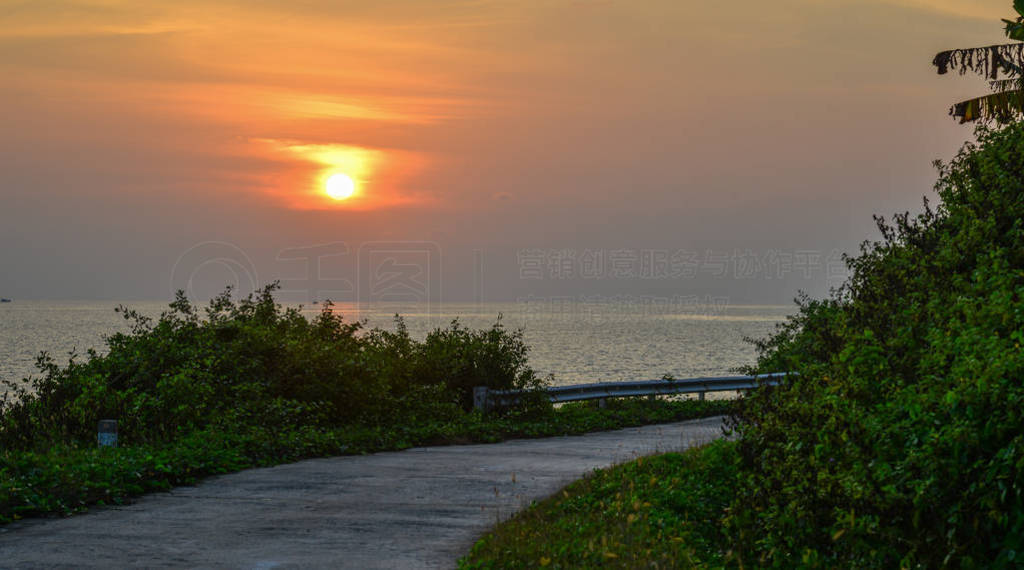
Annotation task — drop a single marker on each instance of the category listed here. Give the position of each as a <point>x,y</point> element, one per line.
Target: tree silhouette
<point>1002,65</point>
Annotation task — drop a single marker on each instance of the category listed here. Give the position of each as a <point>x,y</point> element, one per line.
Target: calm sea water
<point>577,342</point>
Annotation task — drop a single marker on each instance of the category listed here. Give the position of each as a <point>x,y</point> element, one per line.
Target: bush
<point>457,358</point>
<point>251,363</point>
<point>900,442</point>
<point>461,359</point>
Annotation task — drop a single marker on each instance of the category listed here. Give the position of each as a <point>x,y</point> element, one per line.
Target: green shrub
<point>900,443</point>
<point>254,362</point>
<point>460,359</point>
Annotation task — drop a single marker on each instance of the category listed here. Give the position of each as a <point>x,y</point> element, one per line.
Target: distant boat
<point>5,300</point>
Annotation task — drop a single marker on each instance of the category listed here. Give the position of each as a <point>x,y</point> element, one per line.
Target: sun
<point>340,186</point>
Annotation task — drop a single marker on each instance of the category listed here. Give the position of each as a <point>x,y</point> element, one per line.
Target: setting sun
<point>340,186</point>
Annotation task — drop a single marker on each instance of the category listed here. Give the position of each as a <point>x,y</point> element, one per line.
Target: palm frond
<point>986,61</point>
<point>999,107</point>
<point>1004,85</point>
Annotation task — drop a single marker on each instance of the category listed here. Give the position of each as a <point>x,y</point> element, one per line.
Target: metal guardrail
<point>486,399</point>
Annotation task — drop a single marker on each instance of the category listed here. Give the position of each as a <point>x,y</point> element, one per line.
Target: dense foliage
<point>901,442</point>
<point>253,362</point>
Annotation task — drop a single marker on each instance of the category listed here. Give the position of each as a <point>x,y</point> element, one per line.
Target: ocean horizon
<point>576,342</point>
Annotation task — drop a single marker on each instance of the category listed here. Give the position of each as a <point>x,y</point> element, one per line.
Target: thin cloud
<point>988,10</point>
<point>381,175</point>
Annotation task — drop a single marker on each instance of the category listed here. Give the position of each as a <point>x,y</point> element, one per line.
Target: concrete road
<point>419,508</point>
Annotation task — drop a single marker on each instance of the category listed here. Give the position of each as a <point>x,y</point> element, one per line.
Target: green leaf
<point>1014,30</point>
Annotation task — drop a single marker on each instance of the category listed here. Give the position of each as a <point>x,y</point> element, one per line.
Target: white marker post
<point>106,435</point>
<point>480,397</point>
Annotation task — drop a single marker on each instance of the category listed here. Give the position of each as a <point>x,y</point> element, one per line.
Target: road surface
<point>418,508</point>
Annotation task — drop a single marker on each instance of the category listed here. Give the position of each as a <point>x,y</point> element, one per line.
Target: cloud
<point>989,10</point>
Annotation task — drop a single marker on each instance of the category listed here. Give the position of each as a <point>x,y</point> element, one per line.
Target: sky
<point>588,150</point>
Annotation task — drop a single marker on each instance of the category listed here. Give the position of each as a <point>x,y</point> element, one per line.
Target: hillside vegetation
<point>900,444</point>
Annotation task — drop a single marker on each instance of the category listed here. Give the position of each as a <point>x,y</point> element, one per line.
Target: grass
<point>655,512</point>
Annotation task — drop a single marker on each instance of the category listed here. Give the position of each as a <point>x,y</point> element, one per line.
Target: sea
<point>575,342</point>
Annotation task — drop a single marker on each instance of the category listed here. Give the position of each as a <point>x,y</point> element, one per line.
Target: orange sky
<point>474,124</point>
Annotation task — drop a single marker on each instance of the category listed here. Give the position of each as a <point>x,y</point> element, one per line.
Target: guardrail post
<point>480,398</point>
